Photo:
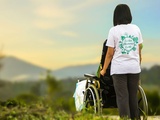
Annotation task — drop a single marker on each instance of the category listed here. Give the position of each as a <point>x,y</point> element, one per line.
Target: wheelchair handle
<point>90,76</point>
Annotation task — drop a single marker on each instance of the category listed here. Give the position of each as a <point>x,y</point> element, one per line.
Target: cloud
<point>50,12</point>
<point>52,16</point>
<point>150,54</point>
<point>83,4</point>
<point>44,24</point>
<point>10,33</point>
<point>79,54</point>
<point>69,33</point>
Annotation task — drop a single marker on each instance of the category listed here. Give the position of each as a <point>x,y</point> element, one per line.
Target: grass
<point>40,110</point>
<point>16,110</point>
<point>40,113</point>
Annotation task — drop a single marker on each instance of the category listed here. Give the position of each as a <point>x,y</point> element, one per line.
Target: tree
<point>1,56</point>
<point>53,86</point>
<point>151,76</point>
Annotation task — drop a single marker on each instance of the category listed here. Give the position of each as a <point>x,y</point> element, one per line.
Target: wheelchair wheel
<point>142,103</point>
<point>91,100</point>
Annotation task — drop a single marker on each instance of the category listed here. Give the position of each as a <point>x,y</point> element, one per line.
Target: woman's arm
<point>108,58</point>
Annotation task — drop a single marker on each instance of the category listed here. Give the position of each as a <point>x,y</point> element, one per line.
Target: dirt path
<point>154,118</point>
<point>149,117</point>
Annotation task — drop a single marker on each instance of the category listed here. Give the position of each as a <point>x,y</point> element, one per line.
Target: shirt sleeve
<point>110,41</point>
<point>140,37</point>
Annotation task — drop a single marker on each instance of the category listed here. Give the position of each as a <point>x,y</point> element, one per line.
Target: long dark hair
<point>122,15</point>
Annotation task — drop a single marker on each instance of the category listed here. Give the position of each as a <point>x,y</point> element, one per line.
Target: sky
<point>59,33</point>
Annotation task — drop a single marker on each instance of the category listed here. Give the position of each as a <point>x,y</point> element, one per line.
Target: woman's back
<point>125,40</point>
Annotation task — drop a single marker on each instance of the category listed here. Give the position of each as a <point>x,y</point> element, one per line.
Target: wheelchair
<point>99,95</point>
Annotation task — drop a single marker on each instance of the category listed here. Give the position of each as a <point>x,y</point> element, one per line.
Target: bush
<point>153,102</point>
<point>27,98</point>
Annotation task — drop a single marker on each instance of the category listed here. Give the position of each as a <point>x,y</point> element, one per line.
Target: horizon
<point>69,66</point>
<point>57,34</point>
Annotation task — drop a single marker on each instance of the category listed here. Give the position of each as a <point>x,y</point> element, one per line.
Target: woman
<point>124,52</point>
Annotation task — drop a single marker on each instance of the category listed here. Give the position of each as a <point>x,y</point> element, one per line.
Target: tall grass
<point>40,110</point>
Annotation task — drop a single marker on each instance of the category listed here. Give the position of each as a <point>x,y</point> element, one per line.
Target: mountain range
<point>15,69</point>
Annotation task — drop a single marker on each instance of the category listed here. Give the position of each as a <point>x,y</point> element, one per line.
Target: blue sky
<point>59,33</point>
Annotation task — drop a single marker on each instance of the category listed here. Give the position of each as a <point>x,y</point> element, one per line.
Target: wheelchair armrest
<point>90,76</point>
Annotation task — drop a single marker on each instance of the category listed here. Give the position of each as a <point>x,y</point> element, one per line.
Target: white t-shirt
<point>125,40</point>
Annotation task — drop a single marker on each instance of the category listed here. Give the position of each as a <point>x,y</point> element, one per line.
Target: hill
<point>75,71</point>
<point>15,69</point>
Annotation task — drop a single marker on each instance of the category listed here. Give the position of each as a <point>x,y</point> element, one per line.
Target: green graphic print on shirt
<point>128,43</point>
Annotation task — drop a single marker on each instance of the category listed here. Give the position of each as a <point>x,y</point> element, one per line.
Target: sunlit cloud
<point>81,55</point>
<point>151,58</point>
<point>51,12</point>
<point>150,52</point>
<point>52,16</point>
<point>53,58</point>
<point>83,4</point>
<point>69,33</point>
<point>9,31</point>
<point>44,24</point>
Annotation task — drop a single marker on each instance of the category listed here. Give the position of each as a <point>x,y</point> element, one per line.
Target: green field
<point>52,99</point>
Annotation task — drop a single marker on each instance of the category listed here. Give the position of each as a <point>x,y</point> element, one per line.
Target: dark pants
<point>126,88</point>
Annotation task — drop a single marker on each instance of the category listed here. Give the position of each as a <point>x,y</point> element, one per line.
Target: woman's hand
<point>108,58</point>
<point>102,72</point>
